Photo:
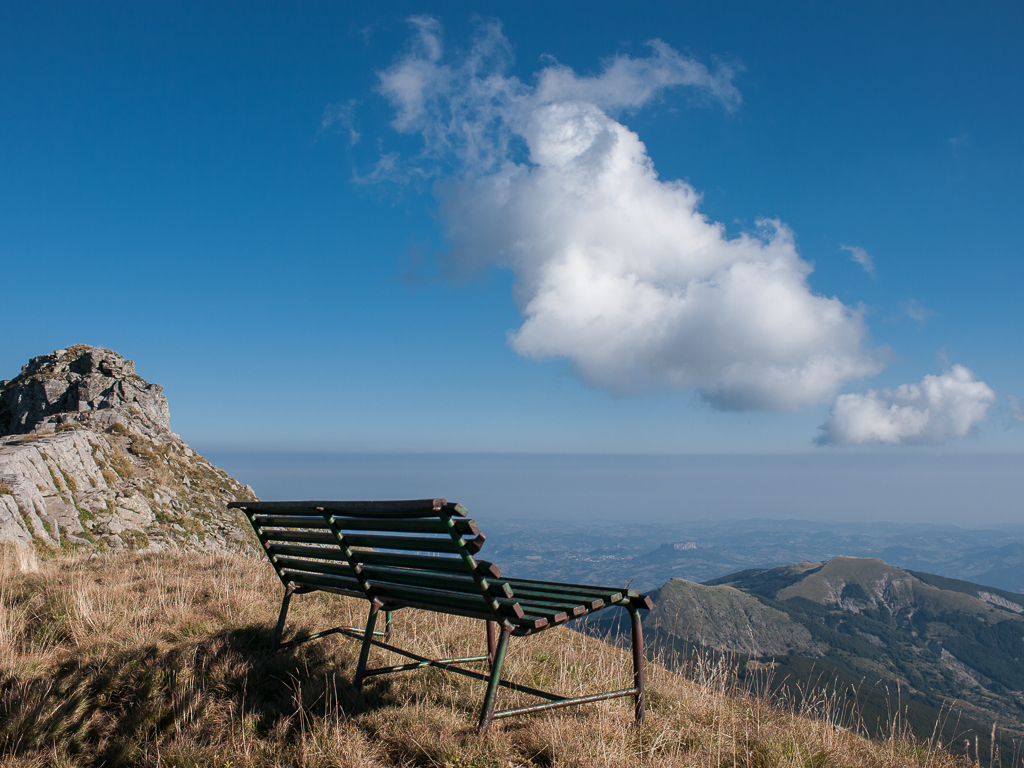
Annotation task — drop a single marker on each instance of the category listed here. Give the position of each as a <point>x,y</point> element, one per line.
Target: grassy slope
<point>164,660</point>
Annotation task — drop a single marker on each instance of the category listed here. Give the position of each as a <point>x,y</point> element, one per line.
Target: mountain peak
<point>84,385</point>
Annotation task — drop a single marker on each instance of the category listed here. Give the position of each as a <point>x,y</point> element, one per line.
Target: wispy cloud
<point>932,411</point>
<point>616,270</point>
<point>340,118</point>
<point>860,256</point>
<point>915,311</point>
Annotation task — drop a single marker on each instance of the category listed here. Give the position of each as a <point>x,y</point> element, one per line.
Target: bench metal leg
<point>492,631</point>
<point>638,664</point>
<point>364,652</point>
<point>487,713</point>
<point>280,620</point>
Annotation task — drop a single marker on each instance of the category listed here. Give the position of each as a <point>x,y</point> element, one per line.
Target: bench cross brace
<point>496,657</point>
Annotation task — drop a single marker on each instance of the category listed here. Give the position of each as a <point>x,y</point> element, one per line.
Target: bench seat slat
<point>572,588</point>
<point>441,599</point>
<point>410,508</point>
<point>549,616</point>
<point>320,553</point>
<point>405,543</point>
<point>345,524</point>
<point>329,583</point>
<point>300,537</point>
<point>290,521</point>
<point>555,611</point>
<point>452,582</point>
<point>427,563</point>
<point>316,566</point>
<point>397,525</point>
<point>584,602</point>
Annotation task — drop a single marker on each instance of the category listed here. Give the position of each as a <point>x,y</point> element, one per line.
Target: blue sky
<point>200,188</point>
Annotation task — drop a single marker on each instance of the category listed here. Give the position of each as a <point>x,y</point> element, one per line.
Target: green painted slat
<point>320,553</point>
<point>410,508</point>
<point>568,601</point>
<point>345,524</point>
<point>299,537</point>
<point>599,591</point>
<point>552,617</point>
<point>551,612</point>
<point>290,521</point>
<point>357,593</point>
<point>324,581</point>
<point>313,566</point>
<point>427,563</point>
<point>452,582</point>
<point>441,600</point>
<point>406,543</point>
<point>452,610</point>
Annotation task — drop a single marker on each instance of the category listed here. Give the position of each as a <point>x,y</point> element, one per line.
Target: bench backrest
<point>411,553</point>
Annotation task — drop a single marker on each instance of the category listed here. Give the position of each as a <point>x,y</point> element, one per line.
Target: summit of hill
<point>88,463</point>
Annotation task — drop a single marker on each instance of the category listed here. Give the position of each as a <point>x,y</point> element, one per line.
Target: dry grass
<point>164,660</point>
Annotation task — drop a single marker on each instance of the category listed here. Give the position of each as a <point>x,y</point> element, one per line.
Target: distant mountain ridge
<point>939,640</point>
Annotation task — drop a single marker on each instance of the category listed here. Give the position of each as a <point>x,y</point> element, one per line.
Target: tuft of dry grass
<point>163,660</point>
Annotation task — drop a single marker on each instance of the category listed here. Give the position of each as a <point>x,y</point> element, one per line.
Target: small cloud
<point>340,118</point>
<point>367,32</point>
<point>932,411</point>
<point>1011,411</point>
<point>860,256</point>
<point>915,311</point>
<point>962,140</point>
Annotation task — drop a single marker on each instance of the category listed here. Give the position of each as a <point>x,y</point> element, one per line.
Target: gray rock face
<point>81,385</point>
<point>88,462</point>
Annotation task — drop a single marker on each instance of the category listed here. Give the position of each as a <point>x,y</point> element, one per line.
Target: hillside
<point>939,642</point>
<point>163,660</point>
<point>88,463</point>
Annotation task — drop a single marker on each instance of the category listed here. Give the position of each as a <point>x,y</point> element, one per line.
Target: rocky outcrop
<point>81,385</point>
<point>88,462</point>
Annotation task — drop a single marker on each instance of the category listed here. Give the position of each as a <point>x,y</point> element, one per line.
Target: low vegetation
<point>163,660</point>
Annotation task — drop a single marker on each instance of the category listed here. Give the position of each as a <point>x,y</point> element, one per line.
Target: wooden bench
<point>421,554</point>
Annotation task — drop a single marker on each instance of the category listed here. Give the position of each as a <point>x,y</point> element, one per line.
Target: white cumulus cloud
<point>934,410</point>
<point>616,270</point>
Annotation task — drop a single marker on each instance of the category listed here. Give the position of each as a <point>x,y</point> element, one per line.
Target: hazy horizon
<point>966,490</point>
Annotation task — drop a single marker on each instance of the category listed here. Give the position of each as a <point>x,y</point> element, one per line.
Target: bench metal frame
<point>323,546</point>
